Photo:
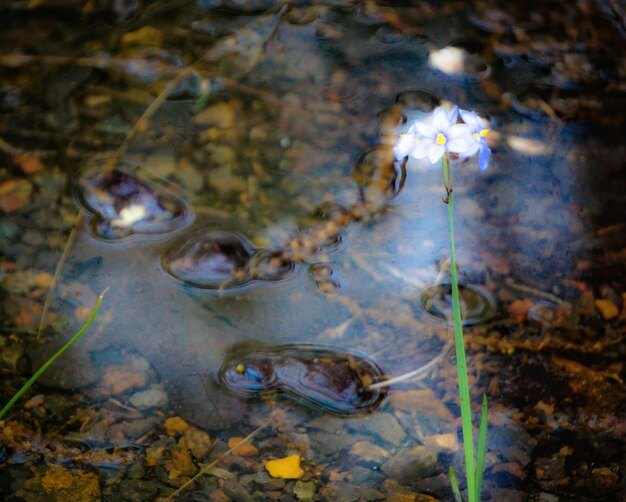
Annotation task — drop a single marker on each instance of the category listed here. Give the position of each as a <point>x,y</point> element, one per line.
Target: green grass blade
<point>58,354</point>
<point>481,448</point>
<point>455,485</point>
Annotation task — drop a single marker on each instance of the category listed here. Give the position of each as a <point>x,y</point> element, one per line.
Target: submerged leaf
<point>285,468</point>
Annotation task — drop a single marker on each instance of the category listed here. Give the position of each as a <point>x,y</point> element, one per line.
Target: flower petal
<point>460,140</point>
<point>404,146</point>
<point>435,152</point>
<point>459,131</point>
<point>441,122</point>
<point>471,119</point>
<point>426,129</point>
<point>465,147</point>
<point>453,115</point>
<point>421,148</point>
<point>484,153</point>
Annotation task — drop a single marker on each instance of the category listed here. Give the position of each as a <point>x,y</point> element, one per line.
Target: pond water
<point>225,169</point>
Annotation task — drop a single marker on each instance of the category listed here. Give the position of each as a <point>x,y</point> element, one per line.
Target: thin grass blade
<point>481,448</point>
<point>58,354</point>
<point>455,485</point>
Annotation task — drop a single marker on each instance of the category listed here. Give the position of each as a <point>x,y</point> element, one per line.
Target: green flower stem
<point>459,345</point>
<point>58,354</point>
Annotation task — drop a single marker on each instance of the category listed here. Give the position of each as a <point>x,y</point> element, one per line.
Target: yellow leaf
<point>174,425</point>
<point>242,450</point>
<point>607,308</point>
<point>285,468</point>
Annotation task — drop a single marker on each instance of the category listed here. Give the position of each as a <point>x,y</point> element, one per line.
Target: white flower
<point>479,135</point>
<point>434,136</point>
<point>406,143</point>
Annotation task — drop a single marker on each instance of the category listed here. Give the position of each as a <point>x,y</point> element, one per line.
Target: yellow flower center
<point>240,368</point>
<point>440,139</point>
<point>483,133</point>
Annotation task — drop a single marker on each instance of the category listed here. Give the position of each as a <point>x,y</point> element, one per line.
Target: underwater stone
<point>320,377</point>
<point>122,204</point>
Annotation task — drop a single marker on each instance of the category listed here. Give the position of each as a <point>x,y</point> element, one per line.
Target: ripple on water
<point>545,102</point>
<point>379,176</point>
<point>389,35</point>
<point>123,201</point>
<point>246,6</point>
<point>323,378</point>
<point>325,221</point>
<point>223,260</point>
<point>417,100</point>
<point>391,120</point>
<point>477,303</point>
<point>323,275</point>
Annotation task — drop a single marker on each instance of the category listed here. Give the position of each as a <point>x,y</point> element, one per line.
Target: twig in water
<point>415,373</point>
<point>211,464</point>
<point>535,292</point>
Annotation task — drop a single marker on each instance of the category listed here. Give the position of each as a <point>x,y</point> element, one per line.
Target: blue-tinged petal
<point>426,129</point>
<point>420,150</point>
<point>460,140</point>
<point>459,131</point>
<point>466,147</point>
<point>440,119</point>
<point>484,154</point>
<point>453,114</point>
<point>472,120</point>
<point>435,152</point>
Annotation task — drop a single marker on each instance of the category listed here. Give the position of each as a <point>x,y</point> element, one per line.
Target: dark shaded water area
<point>225,169</point>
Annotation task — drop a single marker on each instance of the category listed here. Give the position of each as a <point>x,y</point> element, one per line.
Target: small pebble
<point>221,115</point>
<point>369,452</point>
<point>304,491</point>
<point>154,397</point>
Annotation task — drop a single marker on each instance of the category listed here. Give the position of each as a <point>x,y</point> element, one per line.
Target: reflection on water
<point>322,377</point>
<point>122,204</point>
<point>307,233</point>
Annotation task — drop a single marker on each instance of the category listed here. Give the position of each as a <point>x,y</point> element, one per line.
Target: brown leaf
<point>14,194</point>
<point>29,163</point>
